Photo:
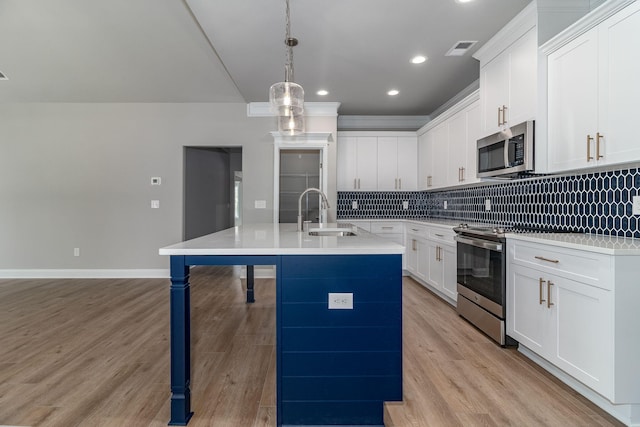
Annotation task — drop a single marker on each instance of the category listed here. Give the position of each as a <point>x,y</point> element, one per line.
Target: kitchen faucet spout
<point>325,203</point>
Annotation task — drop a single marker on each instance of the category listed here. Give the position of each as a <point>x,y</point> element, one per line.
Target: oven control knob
<point>498,230</point>
<point>463,225</point>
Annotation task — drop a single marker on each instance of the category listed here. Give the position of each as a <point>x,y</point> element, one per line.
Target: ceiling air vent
<point>3,77</point>
<point>460,48</point>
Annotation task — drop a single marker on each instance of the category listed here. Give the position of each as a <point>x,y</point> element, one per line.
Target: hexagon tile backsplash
<point>599,203</point>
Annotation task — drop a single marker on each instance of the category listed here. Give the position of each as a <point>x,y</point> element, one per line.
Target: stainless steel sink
<point>338,233</point>
<point>333,231</point>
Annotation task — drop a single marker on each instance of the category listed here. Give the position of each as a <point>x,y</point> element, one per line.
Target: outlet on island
<point>354,204</point>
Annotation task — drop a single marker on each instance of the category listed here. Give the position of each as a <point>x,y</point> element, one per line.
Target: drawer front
<point>442,235</point>
<point>384,227</point>
<point>416,230</point>
<point>583,266</point>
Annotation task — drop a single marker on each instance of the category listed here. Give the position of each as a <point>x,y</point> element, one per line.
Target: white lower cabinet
<point>564,321</point>
<point>431,258</point>
<point>577,309</point>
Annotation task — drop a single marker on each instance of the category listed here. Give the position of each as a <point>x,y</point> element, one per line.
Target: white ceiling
<point>232,51</point>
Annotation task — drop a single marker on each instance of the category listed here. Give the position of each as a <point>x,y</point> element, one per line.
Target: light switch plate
<point>261,204</point>
<point>155,204</point>
<point>340,301</point>
<point>156,180</point>
<point>636,205</point>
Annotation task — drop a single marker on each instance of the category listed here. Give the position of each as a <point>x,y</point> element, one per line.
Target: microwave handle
<point>506,153</point>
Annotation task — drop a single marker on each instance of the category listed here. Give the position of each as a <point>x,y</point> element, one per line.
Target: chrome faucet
<point>325,204</point>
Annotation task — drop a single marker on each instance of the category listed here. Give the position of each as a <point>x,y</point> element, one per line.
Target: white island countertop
<point>281,239</point>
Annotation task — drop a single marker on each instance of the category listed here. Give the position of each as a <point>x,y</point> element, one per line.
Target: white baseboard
<point>85,274</point>
<point>628,414</point>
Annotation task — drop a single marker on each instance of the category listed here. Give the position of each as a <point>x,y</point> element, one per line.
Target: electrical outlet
<point>155,204</point>
<point>76,251</point>
<point>260,204</point>
<point>405,205</point>
<point>445,204</point>
<point>340,301</point>
<point>354,204</point>
<point>487,205</point>
<point>636,205</point>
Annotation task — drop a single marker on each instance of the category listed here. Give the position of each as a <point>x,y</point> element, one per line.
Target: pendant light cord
<point>288,73</point>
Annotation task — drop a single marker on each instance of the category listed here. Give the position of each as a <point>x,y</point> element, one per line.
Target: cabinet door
<point>440,153</point>
<point>494,92</point>
<point>573,103</point>
<point>367,163</point>
<point>347,174</point>
<point>387,163</point>
<point>523,78</point>
<point>528,319</point>
<point>457,147</point>
<point>473,134</point>
<point>422,262</point>
<point>584,333</point>
<point>436,272</point>
<point>425,160</point>
<point>619,89</point>
<point>407,163</point>
<point>412,254</point>
<point>449,277</point>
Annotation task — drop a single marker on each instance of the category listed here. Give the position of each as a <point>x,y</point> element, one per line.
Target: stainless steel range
<point>481,275</point>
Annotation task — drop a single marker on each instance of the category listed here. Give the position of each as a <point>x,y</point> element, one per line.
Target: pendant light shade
<point>291,124</point>
<point>287,98</point>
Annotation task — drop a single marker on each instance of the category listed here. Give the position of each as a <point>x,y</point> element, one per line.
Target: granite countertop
<point>281,239</point>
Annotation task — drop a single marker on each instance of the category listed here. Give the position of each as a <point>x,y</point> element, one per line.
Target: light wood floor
<point>95,353</point>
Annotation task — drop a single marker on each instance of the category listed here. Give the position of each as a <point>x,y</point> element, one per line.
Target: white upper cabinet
<point>508,74</point>
<point>357,162</point>
<point>377,161</point>
<point>592,89</point>
<point>447,146</point>
<point>397,163</point>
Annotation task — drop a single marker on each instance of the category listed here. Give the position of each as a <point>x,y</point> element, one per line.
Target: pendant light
<point>287,97</point>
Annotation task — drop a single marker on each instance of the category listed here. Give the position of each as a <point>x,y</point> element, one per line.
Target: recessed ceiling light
<point>393,92</point>
<point>418,59</point>
<point>464,1</point>
<point>322,92</point>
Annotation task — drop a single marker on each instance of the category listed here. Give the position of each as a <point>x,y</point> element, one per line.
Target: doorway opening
<point>212,189</point>
<point>299,170</point>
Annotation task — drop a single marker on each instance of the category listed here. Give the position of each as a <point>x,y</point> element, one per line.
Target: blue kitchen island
<point>338,320</point>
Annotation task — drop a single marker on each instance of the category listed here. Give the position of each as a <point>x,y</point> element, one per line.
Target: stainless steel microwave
<point>507,153</point>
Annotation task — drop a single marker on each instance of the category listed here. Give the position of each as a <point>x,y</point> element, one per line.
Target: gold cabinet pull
<point>541,258</point>
<point>399,183</point>
<point>599,136</point>
<point>355,186</point>
<point>429,184</point>
<point>541,282</point>
<point>549,284</point>
<point>589,139</point>
<point>413,245</point>
<point>504,114</point>
<point>499,111</point>
<point>462,173</point>
<point>358,183</point>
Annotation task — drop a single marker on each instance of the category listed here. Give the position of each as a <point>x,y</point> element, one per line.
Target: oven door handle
<point>484,244</point>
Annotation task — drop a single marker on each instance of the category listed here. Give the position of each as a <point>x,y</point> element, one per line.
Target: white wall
<point>78,175</point>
